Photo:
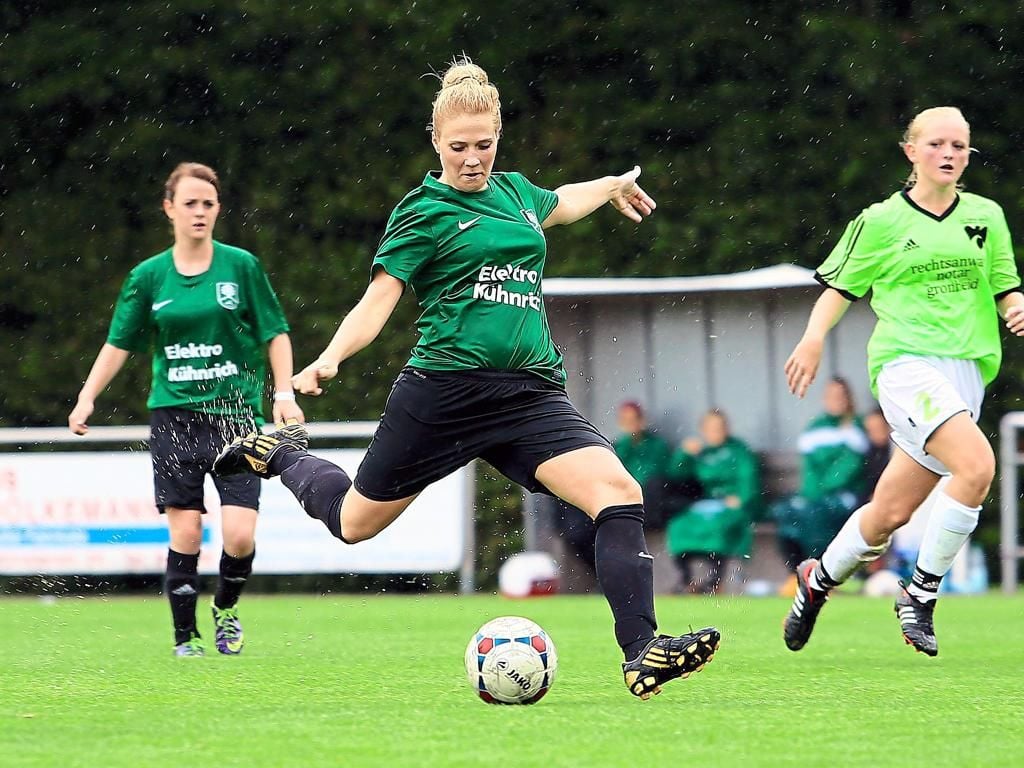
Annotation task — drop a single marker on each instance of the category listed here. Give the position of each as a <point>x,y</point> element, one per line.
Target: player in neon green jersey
<point>209,317</point>
<point>485,379</point>
<point>941,270</point>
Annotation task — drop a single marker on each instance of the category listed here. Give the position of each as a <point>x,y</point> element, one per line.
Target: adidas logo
<point>256,464</point>
<point>910,245</point>
<point>184,589</point>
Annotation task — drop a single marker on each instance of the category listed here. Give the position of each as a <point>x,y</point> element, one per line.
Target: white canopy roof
<point>778,276</point>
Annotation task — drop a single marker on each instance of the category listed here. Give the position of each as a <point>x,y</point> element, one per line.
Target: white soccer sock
<point>949,526</point>
<point>847,552</point>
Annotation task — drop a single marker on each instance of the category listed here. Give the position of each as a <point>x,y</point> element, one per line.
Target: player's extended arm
<point>802,365</point>
<point>1011,307</point>
<point>279,351</point>
<point>575,201</point>
<point>108,362</point>
<point>357,330</point>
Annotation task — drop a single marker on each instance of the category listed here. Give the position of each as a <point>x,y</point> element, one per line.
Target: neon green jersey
<point>207,332</point>
<point>475,261</point>
<point>934,279</point>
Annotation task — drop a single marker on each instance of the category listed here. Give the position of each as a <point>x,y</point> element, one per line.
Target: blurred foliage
<point>762,127</point>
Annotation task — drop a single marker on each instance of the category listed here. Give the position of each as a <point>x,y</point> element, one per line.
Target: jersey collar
<point>929,214</point>
<point>433,181</point>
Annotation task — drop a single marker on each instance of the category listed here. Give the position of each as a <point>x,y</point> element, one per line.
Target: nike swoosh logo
<point>645,555</point>
<point>158,304</point>
<point>467,224</point>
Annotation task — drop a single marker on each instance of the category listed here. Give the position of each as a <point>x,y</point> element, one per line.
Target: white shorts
<point>920,394</point>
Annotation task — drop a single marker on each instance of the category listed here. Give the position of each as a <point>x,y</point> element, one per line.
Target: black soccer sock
<point>181,585</point>
<point>625,571</point>
<point>319,486</point>
<point>821,580</point>
<point>284,458</point>
<point>234,571</point>
<point>923,585</point>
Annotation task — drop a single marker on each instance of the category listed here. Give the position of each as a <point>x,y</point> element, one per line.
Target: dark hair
<point>190,170</point>
<point>842,382</point>
<point>633,405</point>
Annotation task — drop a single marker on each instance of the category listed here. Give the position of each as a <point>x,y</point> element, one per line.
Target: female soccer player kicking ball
<point>940,266</point>
<point>485,379</point>
<point>205,310</point>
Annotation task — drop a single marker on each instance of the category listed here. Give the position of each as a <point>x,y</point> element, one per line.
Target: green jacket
<point>832,457</point>
<point>730,469</point>
<point>645,457</point>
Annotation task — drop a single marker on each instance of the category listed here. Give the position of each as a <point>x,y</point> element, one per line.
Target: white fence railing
<point>92,511</point>
<point>1010,460</point>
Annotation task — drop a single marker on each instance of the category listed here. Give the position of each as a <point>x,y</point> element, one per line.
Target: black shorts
<point>183,445</point>
<point>435,422</point>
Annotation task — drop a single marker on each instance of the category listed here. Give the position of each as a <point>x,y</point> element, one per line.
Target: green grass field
<point>348,681</point>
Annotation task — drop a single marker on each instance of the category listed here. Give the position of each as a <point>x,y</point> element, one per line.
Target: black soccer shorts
<point>435,422</point>
<point>183,445</point>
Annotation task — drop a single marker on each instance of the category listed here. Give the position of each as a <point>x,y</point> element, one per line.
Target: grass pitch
<point>349,681</point>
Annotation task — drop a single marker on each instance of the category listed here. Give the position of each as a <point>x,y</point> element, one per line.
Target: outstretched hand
<point>307,381</point>
<point>802,366</point>
<point>629,199</point>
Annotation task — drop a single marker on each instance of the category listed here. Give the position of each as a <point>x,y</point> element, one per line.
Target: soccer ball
<point>511,660</point>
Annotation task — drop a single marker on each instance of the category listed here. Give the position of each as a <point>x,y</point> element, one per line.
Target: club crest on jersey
<point>227,295</point>
<point>977,234</point>
<point>531,217</point>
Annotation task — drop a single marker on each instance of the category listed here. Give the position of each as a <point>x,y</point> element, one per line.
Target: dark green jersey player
<point>207,332</point>
<point>485,380</point>
<point>941,270</point>
<point>207,314</point>
<point>475,263</point>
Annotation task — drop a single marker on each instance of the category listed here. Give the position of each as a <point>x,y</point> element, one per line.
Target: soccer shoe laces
<point>227,622</point>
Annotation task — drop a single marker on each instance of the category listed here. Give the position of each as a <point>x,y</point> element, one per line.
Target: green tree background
<point>762,127</point>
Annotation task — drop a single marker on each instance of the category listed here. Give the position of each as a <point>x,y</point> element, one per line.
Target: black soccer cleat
<point>253,452</point>
<point>799,623</point>
<point>666,658</point>
<point>916,621</point>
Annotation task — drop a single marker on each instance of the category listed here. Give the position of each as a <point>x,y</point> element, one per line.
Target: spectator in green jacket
<point>646,457</point>
<point>718,525</point>
<point>832,453</point>
<point>644,454</point>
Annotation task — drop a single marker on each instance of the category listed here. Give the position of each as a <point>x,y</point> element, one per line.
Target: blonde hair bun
<point>460,72</point>
<point>465,90</point>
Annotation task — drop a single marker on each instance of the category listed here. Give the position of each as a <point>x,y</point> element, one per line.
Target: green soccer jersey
<point>207,332</point>
<point>475,261</point>
<point>934,279</point>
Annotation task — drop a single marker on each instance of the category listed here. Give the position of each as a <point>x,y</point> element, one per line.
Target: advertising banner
<point>93,513</point>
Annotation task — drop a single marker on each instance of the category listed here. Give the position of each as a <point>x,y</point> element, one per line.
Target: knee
<point>977,472</point>
<point>187,537</point>
<point>891,513</point>
<point>238,543</point>
<point>354,532</point>
<point>625,489</point>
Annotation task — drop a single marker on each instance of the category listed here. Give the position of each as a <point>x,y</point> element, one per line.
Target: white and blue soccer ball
<point>511,660</point>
